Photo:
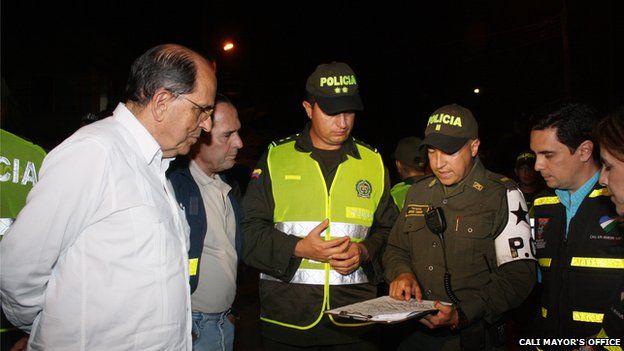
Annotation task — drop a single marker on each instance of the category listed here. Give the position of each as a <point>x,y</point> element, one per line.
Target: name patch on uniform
<point>416,210</point>
<point>363,188</point>
<point>358,213</point>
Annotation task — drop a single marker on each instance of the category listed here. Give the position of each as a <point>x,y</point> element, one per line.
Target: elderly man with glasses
<point>97,259</point>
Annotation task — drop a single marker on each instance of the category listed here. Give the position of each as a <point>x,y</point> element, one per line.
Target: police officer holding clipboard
<point>462,237</point>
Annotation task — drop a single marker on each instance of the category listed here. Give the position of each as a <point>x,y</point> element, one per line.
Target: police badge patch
<point>416,210</point>
<point>363,188</point>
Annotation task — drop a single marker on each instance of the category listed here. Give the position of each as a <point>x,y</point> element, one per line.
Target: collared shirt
<point>97,259</point>
<point>571,202</point>
<point>217,272</point>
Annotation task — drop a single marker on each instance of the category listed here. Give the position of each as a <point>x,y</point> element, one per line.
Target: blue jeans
<point>213,331</point>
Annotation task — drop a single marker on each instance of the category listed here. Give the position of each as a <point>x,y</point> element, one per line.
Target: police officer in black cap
<point>462,237</point>
<point>410,160</point>
<point>317,216</point>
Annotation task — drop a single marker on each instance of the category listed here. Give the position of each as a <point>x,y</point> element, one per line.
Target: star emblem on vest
<point>363,188</point>
<point>520,214</point>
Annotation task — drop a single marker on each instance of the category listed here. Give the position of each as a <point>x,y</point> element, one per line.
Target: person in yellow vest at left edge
<point>318,212</point>
<point>20,161</point>
<point>410,159</point>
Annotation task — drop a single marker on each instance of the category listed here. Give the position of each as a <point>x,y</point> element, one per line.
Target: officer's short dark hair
<point>162,66</point>
<point>574,124</point>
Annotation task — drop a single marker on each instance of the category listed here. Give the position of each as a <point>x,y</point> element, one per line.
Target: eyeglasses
<point>204,110</point>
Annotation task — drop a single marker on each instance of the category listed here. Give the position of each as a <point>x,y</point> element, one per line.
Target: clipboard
<point>385,310</point>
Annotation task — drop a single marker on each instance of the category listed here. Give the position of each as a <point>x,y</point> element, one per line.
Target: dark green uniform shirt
<point>476,213</point>
<point>271,251</point>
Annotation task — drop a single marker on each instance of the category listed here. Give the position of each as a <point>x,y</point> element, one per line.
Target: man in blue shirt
<point>579,251</point>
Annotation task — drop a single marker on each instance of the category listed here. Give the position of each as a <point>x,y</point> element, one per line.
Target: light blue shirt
<point>571,202</point>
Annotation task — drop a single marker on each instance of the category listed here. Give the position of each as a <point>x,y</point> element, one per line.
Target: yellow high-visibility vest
<point>302,202</point>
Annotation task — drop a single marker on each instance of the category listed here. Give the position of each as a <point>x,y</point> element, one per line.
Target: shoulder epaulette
<point>428,180</point>
<point>507,182</point>
<point>359,142</point>
<point>285,140</point>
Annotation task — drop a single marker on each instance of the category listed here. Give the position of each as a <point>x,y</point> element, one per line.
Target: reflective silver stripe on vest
<point>5,223</point>
<point>338,229</point>
<point>317,277</point>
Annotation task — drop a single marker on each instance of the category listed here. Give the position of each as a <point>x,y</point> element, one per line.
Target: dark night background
<point>62,60</point>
